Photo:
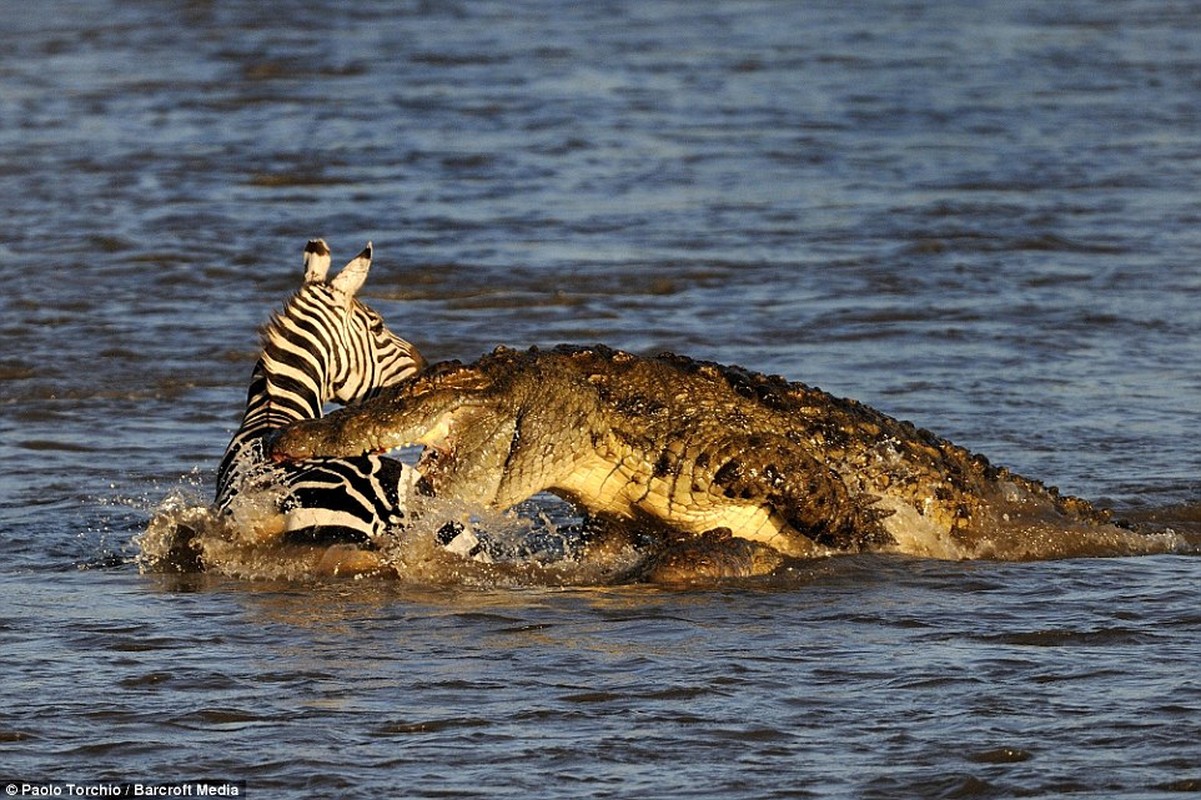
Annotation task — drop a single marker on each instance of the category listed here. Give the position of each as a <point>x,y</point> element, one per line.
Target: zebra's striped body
<point>324,346</point>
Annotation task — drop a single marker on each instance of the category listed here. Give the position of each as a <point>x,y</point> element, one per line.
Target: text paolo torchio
<point>133,789</point>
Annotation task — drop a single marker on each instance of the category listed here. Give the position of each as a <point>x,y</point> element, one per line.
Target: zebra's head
<point>326,341</point>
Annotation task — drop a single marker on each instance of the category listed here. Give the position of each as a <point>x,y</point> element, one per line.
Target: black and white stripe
<point>324,346</point>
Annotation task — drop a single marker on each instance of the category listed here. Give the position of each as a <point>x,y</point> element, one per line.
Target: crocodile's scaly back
<point>691,445</point>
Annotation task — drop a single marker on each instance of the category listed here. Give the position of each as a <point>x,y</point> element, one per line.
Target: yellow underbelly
<point>629,493</point>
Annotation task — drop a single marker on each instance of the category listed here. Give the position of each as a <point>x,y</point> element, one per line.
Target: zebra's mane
<point>273,327</point>
<point>272,330</point>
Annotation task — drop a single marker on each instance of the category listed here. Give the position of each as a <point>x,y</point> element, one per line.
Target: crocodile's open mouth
<point>443,439</point>
<point>439,437</point>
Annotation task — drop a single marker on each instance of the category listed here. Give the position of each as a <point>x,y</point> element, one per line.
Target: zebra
<point>324,346</point>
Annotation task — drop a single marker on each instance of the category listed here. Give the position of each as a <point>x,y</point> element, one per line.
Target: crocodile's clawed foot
<point>711,556</point>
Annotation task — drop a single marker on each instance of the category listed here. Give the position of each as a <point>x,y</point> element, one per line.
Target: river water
<point>983,217</point>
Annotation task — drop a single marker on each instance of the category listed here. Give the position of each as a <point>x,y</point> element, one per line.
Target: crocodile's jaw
<point>356,430</point>
<point>438,435</point>
<point>470,456</point>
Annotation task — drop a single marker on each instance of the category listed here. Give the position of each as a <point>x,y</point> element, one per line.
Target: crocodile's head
<point>433,409</point>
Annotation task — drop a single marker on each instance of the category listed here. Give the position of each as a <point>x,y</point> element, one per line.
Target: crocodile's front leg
<point>806,495</point>
<point>710,556</point>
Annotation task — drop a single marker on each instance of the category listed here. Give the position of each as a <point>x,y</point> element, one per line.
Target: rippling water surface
<point>981,217</point>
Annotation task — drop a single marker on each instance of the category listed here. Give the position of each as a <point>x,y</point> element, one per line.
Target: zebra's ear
<point>352,276</point>
<point>316,261</point>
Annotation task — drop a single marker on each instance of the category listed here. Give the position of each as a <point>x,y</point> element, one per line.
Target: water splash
<point>1031,529</point>
<point>537,545</point>
<point>526,547</point>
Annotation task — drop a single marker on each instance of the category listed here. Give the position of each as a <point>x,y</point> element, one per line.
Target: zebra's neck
<point>285,387</point>
<point>273,402</point>
<point>290,380</point>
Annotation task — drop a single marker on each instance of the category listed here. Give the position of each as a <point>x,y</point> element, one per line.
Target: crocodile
<point>706,452</point>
